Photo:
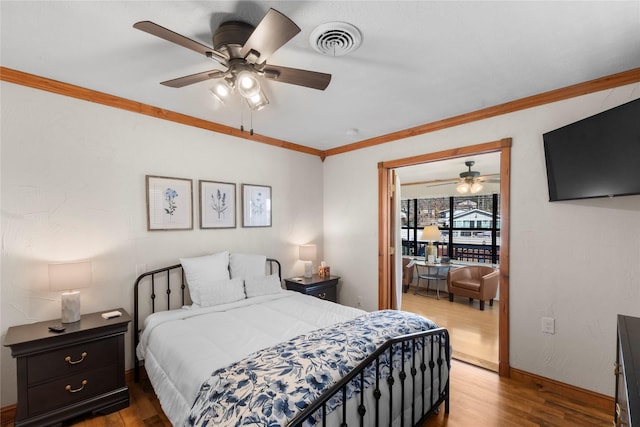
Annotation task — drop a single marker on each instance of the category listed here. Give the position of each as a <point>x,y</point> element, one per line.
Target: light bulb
<point>463,187</point>
<point>248,84</point>
<point>476,187</point>
<point>257,101</point>
<point>221,90</point>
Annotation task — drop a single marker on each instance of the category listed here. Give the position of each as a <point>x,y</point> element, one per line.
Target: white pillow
<point>222,292</point>
<point>247,265</point>
<point>262,285</point>
<point>202,272</point>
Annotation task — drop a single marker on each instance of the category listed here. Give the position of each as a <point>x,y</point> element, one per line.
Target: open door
<point>396,238</point>
<point>390,258</point>
<point>386,249</point>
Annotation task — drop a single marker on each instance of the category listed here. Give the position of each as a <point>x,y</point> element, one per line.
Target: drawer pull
<point>322,295</point>
<point>70,390</point>
<point>75,362</point>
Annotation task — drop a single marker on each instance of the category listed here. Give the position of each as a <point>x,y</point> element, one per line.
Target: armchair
<point>475,281</point>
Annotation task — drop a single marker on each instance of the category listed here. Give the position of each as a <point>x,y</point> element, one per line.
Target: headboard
<point>167,279</point>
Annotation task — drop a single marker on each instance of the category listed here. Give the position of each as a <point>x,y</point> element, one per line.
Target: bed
<point>268,356</point>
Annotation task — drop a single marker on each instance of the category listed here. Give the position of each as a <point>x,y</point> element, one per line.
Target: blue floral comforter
<point>271,386</point>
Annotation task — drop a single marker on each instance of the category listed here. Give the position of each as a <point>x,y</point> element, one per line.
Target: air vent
<point>335,38</point>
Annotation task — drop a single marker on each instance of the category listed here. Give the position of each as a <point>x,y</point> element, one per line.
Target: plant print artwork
<point>257,206</point>
<point>170,196</point>
<point>169,203</point>
<point>217,204</point>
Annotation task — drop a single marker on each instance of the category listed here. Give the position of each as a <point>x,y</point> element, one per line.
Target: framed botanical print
<point>169,203</point>
<point>217,204</point>
<point>256,205</point>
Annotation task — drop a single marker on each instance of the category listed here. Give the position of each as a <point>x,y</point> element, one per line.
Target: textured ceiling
<point>419,61</point>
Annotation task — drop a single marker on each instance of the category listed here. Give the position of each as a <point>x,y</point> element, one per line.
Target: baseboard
<point>585,396</point>
<point>7,415</point>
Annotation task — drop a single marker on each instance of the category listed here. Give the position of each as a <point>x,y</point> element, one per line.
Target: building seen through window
<point>469,227</point>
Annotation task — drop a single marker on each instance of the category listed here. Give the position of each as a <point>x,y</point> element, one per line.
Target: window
<point>470,227</point>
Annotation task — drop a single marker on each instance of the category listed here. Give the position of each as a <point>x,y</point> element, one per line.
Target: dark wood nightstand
<point>67,374</point>
<point>319,287</point>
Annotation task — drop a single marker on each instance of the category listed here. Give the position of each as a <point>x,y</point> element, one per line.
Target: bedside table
<point>319,287</point>
<point>67,374</point>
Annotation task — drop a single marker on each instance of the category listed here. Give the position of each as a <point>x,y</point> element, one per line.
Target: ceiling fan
<point>469,182</point>
<point>243,50</point>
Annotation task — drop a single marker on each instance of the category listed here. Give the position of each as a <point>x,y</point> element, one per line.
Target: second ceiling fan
<point>470,181</point>
<point>243,50</point>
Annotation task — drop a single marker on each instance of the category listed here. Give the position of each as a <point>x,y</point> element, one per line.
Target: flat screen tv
<point>595,157</point>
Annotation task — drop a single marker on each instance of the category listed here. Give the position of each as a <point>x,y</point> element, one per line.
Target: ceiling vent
<point>335,38</point>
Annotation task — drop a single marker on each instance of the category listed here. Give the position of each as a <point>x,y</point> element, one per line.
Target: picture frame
<point>217,204</point>
<point>169,203</point>
<point>256,205</point>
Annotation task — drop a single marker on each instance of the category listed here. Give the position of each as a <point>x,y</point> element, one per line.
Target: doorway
<point>386,248</point>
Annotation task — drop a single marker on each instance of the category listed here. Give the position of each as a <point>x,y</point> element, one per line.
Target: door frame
<point>385,244</point>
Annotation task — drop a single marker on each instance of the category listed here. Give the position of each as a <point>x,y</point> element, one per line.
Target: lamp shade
<point>430,233</point>
<point>69,276</point>
<point>307,252</point>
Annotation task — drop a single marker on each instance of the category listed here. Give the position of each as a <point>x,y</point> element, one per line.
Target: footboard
<point>167,280</point>
<point>423,387</point>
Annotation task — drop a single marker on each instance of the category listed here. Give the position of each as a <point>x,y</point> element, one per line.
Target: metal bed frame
<point>435,339</point>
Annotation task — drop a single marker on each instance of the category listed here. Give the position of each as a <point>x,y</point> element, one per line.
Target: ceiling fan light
<point>463,188</point>
<point>221,90</point>
<point>475,187</point>
<point>248,84</point>
<point>258,101</point>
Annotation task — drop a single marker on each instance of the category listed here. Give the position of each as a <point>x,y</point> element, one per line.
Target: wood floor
<point>478,398</point>
<point>474,333</point>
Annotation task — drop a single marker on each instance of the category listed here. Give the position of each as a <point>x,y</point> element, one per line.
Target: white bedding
<point>222,335</point>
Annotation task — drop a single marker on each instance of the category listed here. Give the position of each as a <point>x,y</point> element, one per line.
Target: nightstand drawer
<point>72,360</point>
<point>74,388</point>
<point>316,286</point>
<point>324,292</point>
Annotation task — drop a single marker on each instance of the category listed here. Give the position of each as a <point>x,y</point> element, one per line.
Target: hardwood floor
<point>479,397</point>
<point>474,333</point>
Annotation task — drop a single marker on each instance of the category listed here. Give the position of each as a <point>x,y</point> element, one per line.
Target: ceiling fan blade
<point>295,76</point>
<point>271,34</point>
<point>194,78</point>
<point>438,184</point>
<point>173,37</point>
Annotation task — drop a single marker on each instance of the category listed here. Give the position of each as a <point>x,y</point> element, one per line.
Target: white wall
<point>73,187</point>
<point>578,262</point>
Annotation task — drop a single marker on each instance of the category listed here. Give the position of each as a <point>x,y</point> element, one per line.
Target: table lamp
<point>431,233</point>
<point>307,253</point>
<point>69,277</point>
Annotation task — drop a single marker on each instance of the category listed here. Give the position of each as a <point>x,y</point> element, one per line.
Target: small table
<point>431,271</point>
<point>67,374</point>
<point>319,287</point>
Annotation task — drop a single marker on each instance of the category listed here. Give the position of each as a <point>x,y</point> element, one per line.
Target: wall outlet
<point>548,325</point>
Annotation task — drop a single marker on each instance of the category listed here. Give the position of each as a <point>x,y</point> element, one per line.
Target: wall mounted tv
<point>595,157</point>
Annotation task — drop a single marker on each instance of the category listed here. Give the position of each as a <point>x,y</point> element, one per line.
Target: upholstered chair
<point>475,282</point>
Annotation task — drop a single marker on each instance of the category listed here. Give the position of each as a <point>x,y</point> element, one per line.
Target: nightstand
<point>319,287</point>
<point>67,374</point>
